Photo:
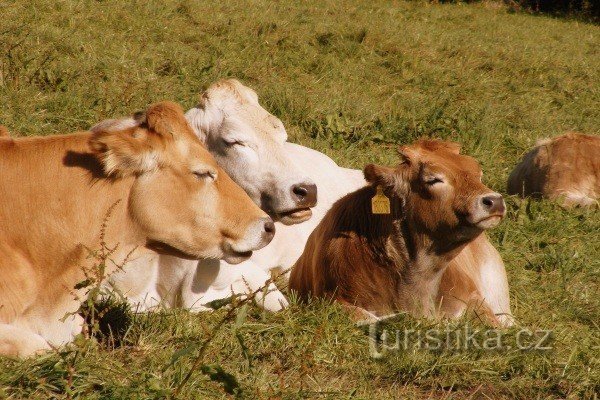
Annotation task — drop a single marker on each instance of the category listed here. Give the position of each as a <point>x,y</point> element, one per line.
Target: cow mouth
<point>294,216</point>
<point>236,257</point>
<point>489,222</point>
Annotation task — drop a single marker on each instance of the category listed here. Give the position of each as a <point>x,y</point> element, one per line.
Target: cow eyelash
<point>432,181</point>
<point>233,143</point>
<point>205,174</point>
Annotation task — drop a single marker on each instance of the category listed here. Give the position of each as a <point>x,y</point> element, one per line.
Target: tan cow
<point>391,261</point>
<point>566,168</point>
<point>167,195</point>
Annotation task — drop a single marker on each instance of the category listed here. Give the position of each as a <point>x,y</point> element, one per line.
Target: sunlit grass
<point>353,79</point>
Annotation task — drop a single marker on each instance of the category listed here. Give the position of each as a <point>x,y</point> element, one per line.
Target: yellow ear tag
<point>380,204</point>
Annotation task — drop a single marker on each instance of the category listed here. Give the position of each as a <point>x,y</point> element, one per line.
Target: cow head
<point>248,142</point>
<point>181,201</point>
<point>441,191</point>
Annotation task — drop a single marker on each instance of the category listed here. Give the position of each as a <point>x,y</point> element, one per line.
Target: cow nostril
<point>488,202</point>
<point>300,191</point>
<point>305,194</point>
<point>269,227</point>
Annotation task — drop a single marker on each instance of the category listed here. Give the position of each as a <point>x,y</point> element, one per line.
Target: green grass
<point>352,79</point>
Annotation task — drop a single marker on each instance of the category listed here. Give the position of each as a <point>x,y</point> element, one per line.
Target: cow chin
<point>294,217</point>
<point>489,222</point>
<point>163,248</point>
<point>236,258</point>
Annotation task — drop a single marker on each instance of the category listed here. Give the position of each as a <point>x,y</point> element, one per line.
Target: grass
<point>352,79</point>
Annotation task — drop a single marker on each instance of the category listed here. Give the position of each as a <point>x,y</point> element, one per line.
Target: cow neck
<point>413,259</point>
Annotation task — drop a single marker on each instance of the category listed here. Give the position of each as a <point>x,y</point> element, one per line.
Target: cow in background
<point>381,261</point>
<point>566,169</point>
<point>4,132</point>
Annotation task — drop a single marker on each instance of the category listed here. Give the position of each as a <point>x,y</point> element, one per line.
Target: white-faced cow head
<point>248,142</point>
<point>181,201</point>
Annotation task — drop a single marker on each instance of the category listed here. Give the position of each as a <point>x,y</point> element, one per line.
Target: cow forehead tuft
<point>450,163</point>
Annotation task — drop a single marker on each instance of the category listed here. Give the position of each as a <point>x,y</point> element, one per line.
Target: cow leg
<point>493,287</point>
<point>254,279</point>
<point>476,279</point>
<point>20,342</point>
<point>177,282</point>
<point>217,280</point>
<point>137,281</point>
<point>359,314</point>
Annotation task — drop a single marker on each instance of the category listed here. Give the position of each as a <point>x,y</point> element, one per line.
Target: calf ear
<point>125,152</point>
<point>379,175</point>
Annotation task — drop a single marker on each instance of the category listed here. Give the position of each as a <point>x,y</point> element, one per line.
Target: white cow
<point>250,144</point>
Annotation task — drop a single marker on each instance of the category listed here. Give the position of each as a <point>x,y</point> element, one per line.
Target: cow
<point>251,145</point>
<point>238,114</point>
<point>381,259</point>
<point>565,169</point>
<point>148,189</point>
<point>4,132</point>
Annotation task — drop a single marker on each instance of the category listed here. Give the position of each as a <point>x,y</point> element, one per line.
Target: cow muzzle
<point>258,235</point>
<point>304,196</point>
<point>489,209</point>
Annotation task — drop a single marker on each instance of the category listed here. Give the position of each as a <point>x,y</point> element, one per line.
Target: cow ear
<point>167,119</point>
<point>408,154</point>
<point>125,152</point>
<point>392,180</point>
<point>380,175</point>
<point>202,120</point>
<point>451,147</point>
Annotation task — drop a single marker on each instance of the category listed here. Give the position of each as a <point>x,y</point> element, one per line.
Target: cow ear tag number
<point>380,204</point>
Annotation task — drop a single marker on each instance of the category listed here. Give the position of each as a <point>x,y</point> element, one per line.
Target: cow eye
<point>205,174</point>
<point>433,180</point>
<point>232,142</point>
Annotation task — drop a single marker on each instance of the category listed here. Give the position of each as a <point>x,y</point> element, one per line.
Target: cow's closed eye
<point>432,180</point>
<point>204,174</point>
<point>233,142</point>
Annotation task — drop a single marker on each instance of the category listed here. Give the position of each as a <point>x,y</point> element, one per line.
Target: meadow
<point>353,79</point>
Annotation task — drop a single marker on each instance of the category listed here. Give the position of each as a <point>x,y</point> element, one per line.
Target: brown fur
<point>4,132</point>
<point>566,168</point>
<point>394,262</point>
<point>57,190</point>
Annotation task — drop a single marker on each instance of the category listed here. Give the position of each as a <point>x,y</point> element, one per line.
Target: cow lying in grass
<point>381,261</point>
<point>166,192</point>
<point>566,168</point>
<point>250,144</point>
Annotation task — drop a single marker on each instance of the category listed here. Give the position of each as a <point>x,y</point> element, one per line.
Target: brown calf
<point>382,263</point>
